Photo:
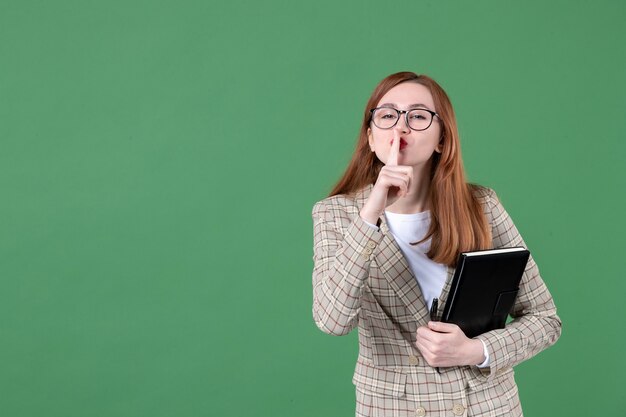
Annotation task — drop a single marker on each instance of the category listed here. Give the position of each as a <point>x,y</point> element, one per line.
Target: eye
<point>388,114</point>
<point>417,116</point>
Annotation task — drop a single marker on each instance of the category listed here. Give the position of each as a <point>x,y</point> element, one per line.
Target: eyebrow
<point>412,106</point>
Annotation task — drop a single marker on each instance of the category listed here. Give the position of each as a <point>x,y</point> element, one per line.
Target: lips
<point>403,143</point>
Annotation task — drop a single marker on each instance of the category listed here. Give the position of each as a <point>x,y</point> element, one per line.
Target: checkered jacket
<point>361,279</point>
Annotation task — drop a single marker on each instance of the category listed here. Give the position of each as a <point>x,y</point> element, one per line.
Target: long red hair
<point>457,220</point>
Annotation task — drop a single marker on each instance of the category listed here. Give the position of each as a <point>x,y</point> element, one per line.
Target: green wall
<point>159,161</point>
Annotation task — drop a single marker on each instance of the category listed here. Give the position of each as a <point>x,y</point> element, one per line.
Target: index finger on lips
<point>392,159</point>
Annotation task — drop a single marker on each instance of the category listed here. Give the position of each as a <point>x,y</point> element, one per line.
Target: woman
<point>386,242</point>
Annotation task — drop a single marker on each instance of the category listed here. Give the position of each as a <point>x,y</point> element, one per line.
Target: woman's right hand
<point>393,182</point>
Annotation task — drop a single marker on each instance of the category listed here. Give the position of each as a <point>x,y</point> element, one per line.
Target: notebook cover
<point>483,290</point>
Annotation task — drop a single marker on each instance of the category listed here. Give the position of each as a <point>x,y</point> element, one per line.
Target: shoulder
<point>342,207</point>
<point>489,201</point>
<point>492,206</point>
<point>335,205</point>
<point>484,195</point>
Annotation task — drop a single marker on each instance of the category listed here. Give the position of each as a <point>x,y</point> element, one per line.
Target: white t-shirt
<point>406,228</point>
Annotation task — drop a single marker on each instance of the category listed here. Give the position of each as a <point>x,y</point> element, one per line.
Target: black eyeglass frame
<point>406,117</point>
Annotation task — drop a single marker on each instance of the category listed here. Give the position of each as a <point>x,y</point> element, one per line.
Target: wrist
<point>369,216</point>
<point>476,352</point>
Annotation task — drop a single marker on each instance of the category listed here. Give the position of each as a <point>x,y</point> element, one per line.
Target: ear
<point>370,139</point>
<point>439,146</point>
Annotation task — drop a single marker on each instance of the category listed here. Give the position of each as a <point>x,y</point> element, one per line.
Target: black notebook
<point>483,289</point>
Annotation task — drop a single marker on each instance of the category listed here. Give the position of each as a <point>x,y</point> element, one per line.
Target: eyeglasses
<point>416,119</point>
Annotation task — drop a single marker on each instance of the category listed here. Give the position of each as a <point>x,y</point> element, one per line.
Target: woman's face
<point>416,147</point>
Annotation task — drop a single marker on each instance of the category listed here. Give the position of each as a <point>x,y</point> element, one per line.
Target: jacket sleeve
<point>535,325</point>
<point>342,251</point>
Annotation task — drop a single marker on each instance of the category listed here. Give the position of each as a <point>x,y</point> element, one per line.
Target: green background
<point>159,161</point>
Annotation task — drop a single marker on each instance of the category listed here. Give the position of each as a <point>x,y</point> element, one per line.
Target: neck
<point>417,199</point>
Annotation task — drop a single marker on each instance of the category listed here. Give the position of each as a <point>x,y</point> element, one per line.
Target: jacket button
<point>371,244</point>
<point>458,409</point>
<point>420,412</point>
<point>367,250</point>
<point>413,360</point>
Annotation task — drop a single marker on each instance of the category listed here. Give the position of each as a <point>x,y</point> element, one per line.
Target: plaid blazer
<point>361,278</point>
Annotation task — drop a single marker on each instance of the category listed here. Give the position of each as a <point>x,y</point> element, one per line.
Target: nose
<point>403,124</point>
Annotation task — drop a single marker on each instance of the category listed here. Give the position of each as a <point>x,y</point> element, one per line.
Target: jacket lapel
<point>395,268</point>
<point>444,292</point>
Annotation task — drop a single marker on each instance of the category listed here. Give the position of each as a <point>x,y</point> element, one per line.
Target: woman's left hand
<point>445,344</point>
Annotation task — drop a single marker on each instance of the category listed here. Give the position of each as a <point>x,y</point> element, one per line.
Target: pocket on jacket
<point>497,395</point>
<point>379,381</point>
<point>478,381</point>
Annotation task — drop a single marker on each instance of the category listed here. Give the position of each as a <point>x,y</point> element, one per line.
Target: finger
<point>426,335</point>
<point>423,346</point>
<point>402,169</point>
<point>396,179</point>
<point>395,185</point>
<point>395,172</point>
<point>392,159</point>
<point>442,327</point>
<point>426,352</point>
